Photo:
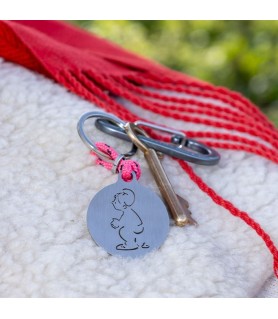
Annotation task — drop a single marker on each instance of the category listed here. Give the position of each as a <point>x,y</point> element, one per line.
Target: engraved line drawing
<point>129,225</point>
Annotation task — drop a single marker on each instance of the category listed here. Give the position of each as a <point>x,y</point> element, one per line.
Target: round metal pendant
<point>127,219</point>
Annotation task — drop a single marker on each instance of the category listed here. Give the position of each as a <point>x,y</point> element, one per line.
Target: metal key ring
<point>89,142</point>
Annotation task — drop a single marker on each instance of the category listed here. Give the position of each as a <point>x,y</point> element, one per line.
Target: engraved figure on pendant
<point>129,225</point>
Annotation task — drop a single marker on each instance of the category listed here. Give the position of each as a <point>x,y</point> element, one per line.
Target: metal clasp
<point>178,137</point>
<point>181,147</point>
<point>187,149</point>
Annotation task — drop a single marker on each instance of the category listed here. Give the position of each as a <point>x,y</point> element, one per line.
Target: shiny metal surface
<point>178,208</point>
<point>192,151</point>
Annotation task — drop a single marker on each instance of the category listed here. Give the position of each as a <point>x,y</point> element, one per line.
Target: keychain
<point>126,218</point>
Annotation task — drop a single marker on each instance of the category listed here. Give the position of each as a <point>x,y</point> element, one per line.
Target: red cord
<point>249,127</point>
<point>234,211</point>
<point>223,110</point>
<point>189,105</point>
<point>207,91</point>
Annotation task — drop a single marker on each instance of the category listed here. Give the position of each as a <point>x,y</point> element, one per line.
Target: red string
<point>239,143</point>
<point>223,110</point>
<point>189,105</point>
<point>234,211</point>
<point>205,90</point>
<point>247,127</point>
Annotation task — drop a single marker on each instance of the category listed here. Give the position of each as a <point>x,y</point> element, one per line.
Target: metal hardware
<point>116,163</point>
<point>128,219</point>
<point>89,142</point>
<point>178,137</point>
<point>179,212</point>
<point>188,149</point>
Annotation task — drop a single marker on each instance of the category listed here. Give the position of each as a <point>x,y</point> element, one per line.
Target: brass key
<point>177,206</point>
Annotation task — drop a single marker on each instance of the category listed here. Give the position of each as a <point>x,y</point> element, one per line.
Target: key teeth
<point>189,220</point>
<point>192,221</point>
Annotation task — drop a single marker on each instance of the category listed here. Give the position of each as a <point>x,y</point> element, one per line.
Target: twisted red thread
<point>242,144</point>
<point>118,109</point>
<point>70,82</point>
<point>252,129</point>
<point>188,105</point>
<point>233,210</point>
<point>183,103</point>
<point>246,148</point>
<point>118,106</point>
<point>125,166</point>
<point>235,96</point>
<point>205,92</point>
<point>217,112</point>
<point>220,91</point>
<point>92,86</point>
<point>254,114</point>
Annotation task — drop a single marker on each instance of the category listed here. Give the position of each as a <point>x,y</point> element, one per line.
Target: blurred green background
<point>240,55</point>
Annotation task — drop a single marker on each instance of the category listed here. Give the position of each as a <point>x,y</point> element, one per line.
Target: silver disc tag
<point>127,219</point>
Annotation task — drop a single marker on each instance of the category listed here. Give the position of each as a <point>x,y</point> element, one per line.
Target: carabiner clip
<point>187,149</point>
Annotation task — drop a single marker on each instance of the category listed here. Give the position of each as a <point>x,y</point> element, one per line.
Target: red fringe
<point>233,113</point>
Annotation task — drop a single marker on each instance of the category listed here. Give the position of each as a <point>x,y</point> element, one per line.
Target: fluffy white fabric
<point>48,179</point>
<point>270,289</point>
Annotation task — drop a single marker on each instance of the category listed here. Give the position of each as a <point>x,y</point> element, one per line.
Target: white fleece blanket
<point>48,179</point>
